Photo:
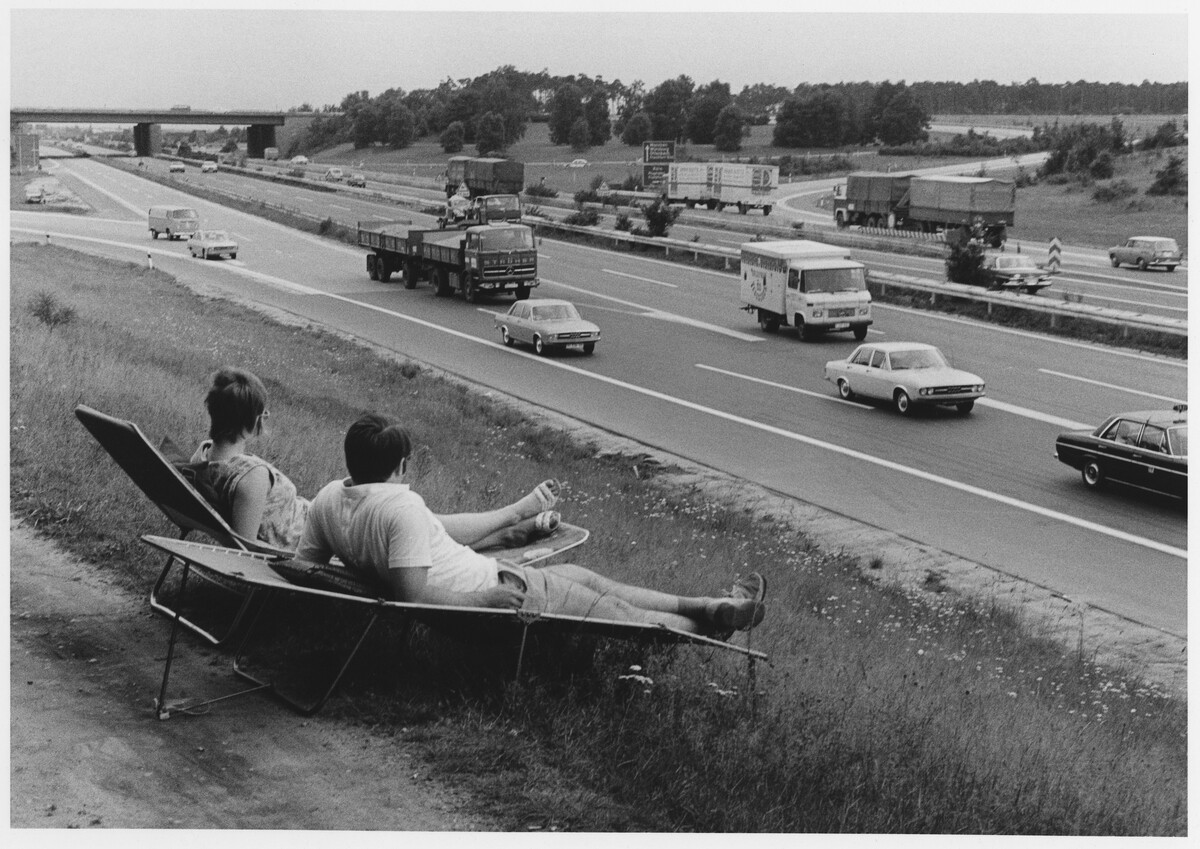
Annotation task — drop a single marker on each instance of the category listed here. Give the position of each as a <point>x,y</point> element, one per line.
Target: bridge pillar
<point>147,139</point>
<point>258,138</point>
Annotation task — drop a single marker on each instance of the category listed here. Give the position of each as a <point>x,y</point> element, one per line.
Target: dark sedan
<point>1145,449</point>
<point>1014,271</point>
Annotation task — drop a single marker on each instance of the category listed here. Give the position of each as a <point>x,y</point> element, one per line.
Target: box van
<point>177,222</point>
<point>814,287</point>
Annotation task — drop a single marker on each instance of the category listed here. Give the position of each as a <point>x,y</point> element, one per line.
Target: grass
<point>883,710</point>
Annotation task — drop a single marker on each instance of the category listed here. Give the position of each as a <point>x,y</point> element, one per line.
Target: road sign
<point>658,151</point>
<point>1055,255</point>
<point>654,175</point>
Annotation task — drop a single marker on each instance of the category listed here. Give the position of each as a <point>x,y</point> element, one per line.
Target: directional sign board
<point>654,152</point>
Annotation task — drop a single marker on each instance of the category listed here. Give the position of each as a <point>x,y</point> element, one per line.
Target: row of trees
<point>492,111</point>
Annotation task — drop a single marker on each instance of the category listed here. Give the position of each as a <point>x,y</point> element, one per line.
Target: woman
<point>259,502</point>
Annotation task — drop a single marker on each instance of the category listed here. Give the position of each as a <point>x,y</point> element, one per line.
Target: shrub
<point>541,190</point>
<point>47,309</point>
<point>659,217</point>
<point>1114,191</point>
<point>453,137</point>
<point>586,196</point>
<point>583,218</point>
<point>1102,166</point>
<point>623,222</point>
<point>965,262</point>
<point>1171,180</point>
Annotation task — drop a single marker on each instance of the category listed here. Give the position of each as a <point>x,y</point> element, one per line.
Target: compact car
<point>578,163</point>
<point>546,323</point>
<point>299,160</point>
<point>357,179</point>
<point>333,175</point>
<point>1147,449</point>
<point>208,167</point>
<point>1015,271</point>
<point>1147,252</point>
<point>176,168</point>
<point>207,244</point>
<point>907,374</point>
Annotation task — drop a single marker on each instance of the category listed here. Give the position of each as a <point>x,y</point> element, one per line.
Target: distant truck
<point>928,204</point>
<point>484,176</point>
<point>484,209</point>
<point>813,287</point>
<point>485,259</point>
<point>717,185</point>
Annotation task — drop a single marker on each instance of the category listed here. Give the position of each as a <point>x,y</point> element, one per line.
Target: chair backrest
<point>162,483</point>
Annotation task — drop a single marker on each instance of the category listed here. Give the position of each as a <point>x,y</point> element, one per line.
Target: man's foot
<point>543,498</point>
<point>744,608</point>
<point>546,522</point>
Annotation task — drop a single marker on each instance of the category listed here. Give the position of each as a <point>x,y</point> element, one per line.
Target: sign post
<point>1055,255</point>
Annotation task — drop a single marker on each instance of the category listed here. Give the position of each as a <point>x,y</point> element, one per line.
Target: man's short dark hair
<point>375,448</point>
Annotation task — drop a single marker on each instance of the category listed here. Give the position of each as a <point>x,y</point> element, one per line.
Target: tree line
<point>492,111</point>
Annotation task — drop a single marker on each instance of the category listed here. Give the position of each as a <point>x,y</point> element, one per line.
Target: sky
<point>281,56</point>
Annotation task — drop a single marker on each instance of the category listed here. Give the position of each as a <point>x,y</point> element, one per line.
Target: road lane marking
<point>643,279</point>
<point>343,208</point>
<point>1066,424</point>
<point>650,312</point>
<point>1167,398</point>
<point>690,405</point>
<point>136,210</point>
<point>822,395</point>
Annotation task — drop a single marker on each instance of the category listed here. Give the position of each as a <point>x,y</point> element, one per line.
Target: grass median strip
<point>883,710</point>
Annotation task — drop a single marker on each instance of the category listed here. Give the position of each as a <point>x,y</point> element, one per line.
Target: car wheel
<point>965,407</point>
<point>1142,264</point>
<point>154,235</point>
<point>506,338</point>
<point>589,347</point>
<point>1093,475</point>
<point>844,389</point>
<point>903,402</point>
<point>1116,263</point>
<point>539,345</point>
<point>233,255</point>
<point>1170,268</point>
<point>522,293</point>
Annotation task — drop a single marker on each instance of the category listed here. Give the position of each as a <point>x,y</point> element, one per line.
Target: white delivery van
<point>177,222</point>
<point>815,288</point>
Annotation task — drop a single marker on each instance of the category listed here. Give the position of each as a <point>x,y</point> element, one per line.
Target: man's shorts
<point>543,592</point>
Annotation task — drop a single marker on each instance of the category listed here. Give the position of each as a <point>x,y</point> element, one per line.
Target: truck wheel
<point>522,293</point>
<point>469,292</point>
<point>712,204</point>
<point>767,209</point>
<point>233,256</point>
<point>539,346</point>
<point>903,402</point>
<point>769,322</point>
<point>373,266</point>
<point>410,275</point>
<point>154,235</point>
<point>720,207</point>
<point>385,271</point>
<point>741,208</point>
<point>441,279</point>
<point>841,220</point>
<point>860,332</point>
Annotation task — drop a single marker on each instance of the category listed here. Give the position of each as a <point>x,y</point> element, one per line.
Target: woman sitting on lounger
<point>260,502</point>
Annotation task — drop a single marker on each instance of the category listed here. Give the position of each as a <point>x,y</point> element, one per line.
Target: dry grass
<point>881,711</point>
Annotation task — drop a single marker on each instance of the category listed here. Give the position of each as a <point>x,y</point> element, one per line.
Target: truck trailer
<point>929,204</point>
<point>486,259</point>
<point>717,185</point>
<point>813,287</point>
<point>484,176</point>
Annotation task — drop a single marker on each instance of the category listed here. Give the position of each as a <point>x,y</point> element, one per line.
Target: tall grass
<point>882,710</point>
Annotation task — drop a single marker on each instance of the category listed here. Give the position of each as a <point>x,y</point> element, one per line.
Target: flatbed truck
<point>486,259</point>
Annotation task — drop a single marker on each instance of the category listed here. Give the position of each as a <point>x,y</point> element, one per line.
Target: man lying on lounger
<point>378,526</point>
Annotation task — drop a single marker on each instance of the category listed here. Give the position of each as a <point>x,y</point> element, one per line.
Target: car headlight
<point>864,310</point>
<point>924,390</point>
<point>818,313</point>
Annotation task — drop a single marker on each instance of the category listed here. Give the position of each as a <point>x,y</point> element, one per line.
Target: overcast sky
<point>275,58</point>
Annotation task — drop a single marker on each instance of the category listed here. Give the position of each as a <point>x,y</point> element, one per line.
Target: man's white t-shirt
<point>376,527</point>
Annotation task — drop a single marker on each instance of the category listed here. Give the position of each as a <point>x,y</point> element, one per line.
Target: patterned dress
<point>285,512</point>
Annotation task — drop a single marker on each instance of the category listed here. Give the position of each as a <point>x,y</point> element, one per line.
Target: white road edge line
<point>720,414</point>
<point>643,279</point>
<point>1110,386</point>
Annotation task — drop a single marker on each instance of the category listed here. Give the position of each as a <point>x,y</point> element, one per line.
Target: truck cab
<point>484,209</point>
<point>813,287</point>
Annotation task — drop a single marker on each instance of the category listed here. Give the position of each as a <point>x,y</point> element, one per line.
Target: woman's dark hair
<point>375,448</point>
<point>235,402</point>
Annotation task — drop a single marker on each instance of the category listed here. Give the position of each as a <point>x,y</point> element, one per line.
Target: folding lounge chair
<point>274,576</point>
<point>179,501</point>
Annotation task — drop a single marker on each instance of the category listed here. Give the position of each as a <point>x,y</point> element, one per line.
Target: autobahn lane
<point>682,369</point>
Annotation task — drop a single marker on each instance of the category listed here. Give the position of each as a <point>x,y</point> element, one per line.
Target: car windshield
<point>1178,440</point>
<point>186,214</point>
<point>917,358</point>
<point>507,240</point>
<point>496,205</point>
<point>213,235</point>
<point>554,312</point>
<point>1012,262</point>
<point>834,280</point>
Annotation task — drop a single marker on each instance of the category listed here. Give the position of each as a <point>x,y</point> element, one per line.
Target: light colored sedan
<point>546,323</point>
<point>207,244</point>
<point>907,374</point>
<point>1147,252</point>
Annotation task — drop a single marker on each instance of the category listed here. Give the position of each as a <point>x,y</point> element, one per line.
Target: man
<point>380,528</point>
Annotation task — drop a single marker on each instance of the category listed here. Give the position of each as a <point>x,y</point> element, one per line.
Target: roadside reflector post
<point>1055,255</point>
<point>150,260</point>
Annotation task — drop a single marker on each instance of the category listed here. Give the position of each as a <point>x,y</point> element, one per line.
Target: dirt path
<point>87,751</point>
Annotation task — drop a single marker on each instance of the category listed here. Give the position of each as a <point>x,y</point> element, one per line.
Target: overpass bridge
<point>147,123</point>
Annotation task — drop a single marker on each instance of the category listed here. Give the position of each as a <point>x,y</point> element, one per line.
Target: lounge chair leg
<point>521,653</point>
<point>170,613</point>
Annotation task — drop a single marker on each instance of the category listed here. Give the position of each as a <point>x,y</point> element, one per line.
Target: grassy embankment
<point>881,711</point>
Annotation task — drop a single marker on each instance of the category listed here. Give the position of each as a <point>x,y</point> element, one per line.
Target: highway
<point>682,369</point>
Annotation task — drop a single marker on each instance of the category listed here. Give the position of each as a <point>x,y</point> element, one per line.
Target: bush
<point>965,262</point>
<point>1102,166</point>
<point>47,309</point>
<point>586,196</point>
<point>1114,191</point>
<point>659,217</point>
<point>540,190</point>
<point>623,222</point>
<point>583,218</point>
<point>1171,180</point>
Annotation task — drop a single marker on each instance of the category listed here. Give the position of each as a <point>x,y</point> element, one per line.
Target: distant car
<point>357,179</point>
<point>1146,449</point>
<point>577,163</point>
<point>176,168</point>
<point>299,160</point>
<point>1014,271</point>
<point>208,167</point>
<point>1147,252</point>
<point>35,193</point>
<point>907,374</point>
<point>207,244</point>
<point>333,175</point>
<point>546,323</point>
